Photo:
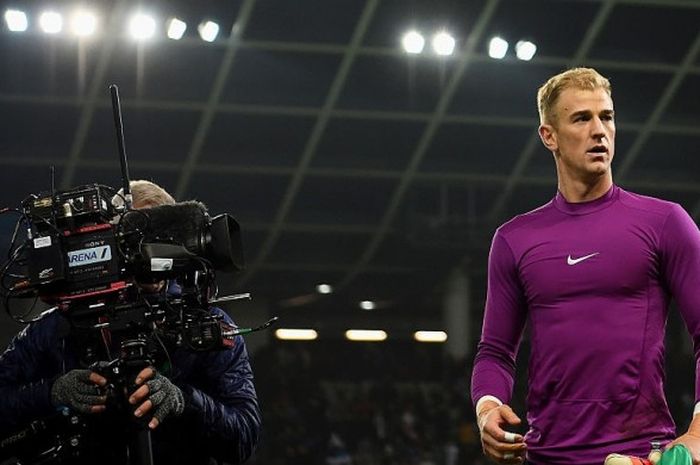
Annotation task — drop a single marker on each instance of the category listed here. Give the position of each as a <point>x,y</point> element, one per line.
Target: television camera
<point>97,260</point>
<point>88,257</point>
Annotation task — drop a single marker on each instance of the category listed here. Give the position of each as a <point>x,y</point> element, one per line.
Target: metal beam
<point>275,110</point>
<point>424,142</point>
<point>187,105</point>
<point>661,105</point>
<point>690,4</point>
<point>209,112</point>
<point>458,178</point>
<point>314,138</point>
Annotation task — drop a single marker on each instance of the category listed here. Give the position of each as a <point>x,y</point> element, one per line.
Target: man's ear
<point>549,137</point>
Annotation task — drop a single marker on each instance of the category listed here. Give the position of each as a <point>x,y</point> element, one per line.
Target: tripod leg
<point>140,448</point>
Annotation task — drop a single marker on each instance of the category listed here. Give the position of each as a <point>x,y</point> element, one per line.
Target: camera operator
<point>201,407</point>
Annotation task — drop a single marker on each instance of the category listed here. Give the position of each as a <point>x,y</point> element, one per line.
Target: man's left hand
<point>156,393</point>
<point>691,441</point>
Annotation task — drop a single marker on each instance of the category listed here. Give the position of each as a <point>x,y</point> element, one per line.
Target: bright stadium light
<point>208,31</point>
<point>83,23</point>
<point>51,22</point>
<point>366,335</point>
<point>176,29</point>
<point>498,48</point>
<point>525,50</point>
<point>289,334</point>
<point>443,43</point>
<point>324,289</point>
<point>142,26</point>
<point>430,336</point>
<point>16,20</point>
<point>367,305</point>
<point>413,42</point>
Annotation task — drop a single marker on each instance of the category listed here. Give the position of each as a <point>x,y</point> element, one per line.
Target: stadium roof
<point>346,160</point>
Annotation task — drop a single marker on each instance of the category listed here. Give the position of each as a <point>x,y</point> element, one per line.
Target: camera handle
<point>120,374</point>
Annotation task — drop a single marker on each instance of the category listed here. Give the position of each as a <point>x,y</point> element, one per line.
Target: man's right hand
<point>500,445</point>
<point>80,390</point>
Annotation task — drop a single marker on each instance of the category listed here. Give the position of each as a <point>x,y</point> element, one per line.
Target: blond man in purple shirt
<point>591,275</point>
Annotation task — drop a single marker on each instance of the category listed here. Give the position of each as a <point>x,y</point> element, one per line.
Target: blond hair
<point>576,78</point>
<point>146,194</point>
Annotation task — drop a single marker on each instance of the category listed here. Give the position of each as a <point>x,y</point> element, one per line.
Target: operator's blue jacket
<point>221,421</point>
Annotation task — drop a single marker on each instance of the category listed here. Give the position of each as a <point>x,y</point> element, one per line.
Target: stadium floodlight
<point>208,30</point>
<point>83,23</point>
<point>324,289</point>
<point>16,20</point>
<point>366,335</point>
<point>367,305</point>
<point>413,42</point>
<point>525,50</point>
<point>51,22</point>
<point>430,336</point>
<point>443,43</point>
<point>290,334</point>
<point>498,48</point>
<point>142,26</point>
<point>176,29</point>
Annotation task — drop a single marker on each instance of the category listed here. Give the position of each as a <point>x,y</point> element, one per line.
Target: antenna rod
<point>117,111</point>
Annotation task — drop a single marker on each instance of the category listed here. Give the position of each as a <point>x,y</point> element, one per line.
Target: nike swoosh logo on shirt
<point>573,261</point>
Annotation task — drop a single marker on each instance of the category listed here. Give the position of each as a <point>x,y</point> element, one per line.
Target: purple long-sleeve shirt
<point>593,282</point>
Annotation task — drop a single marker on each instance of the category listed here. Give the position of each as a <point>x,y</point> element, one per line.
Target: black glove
<point>76,391</point>
<point>167,399</point>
